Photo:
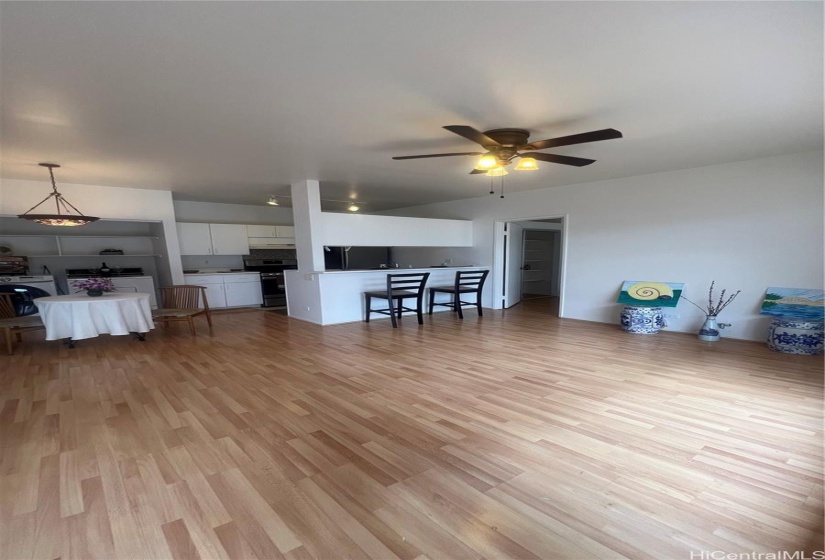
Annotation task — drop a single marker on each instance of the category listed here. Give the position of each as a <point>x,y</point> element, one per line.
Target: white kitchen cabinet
<point>285,231</point>
<point>229,290</point>
<point>212,239</point>
<point>242,290</point>
<point>261,231</point>
<point>266,237</point>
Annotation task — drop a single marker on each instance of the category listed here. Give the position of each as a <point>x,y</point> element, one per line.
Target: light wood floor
<point>517,435</point>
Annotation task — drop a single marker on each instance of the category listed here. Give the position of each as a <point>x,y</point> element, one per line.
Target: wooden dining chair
<point>12,324</point>
<point>399,288</point>
<point>182,303</point>
<point>466,282</point>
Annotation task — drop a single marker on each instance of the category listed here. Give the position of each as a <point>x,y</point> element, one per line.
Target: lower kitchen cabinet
<point>229,290</point>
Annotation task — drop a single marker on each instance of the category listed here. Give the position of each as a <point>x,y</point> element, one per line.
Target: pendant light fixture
<point>64,215</point>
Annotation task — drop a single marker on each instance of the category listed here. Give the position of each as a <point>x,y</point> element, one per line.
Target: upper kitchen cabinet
<point>212,239</point>
<point>263,237</point>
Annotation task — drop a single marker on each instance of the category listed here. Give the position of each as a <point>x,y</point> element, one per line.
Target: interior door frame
<point>501,260</point>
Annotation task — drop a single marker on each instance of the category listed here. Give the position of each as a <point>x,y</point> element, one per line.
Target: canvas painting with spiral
<point>650,294</point>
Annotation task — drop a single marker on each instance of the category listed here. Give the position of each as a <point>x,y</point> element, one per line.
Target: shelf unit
<point>33,245</point>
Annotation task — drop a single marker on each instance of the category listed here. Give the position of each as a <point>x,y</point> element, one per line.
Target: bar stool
<point>399,288</point>
<point>466,282</point>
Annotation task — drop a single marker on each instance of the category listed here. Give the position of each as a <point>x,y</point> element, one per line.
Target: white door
<point>512,264</point>
<point>194,239</point>
<point>229,239</point>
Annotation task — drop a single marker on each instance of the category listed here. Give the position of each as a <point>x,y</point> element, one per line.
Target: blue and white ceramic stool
<point>796,336</point>
<point>642,320</point>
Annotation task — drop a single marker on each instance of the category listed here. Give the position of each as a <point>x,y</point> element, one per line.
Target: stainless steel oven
<point>273,284</point>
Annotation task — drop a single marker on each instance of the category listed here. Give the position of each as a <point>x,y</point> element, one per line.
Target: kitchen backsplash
<point>272,254</point>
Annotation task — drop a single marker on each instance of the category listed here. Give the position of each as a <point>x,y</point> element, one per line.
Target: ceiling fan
<point>504,145</point>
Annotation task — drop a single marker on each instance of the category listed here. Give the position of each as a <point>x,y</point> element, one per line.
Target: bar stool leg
<point>393,312</point>
<point>369,307</point>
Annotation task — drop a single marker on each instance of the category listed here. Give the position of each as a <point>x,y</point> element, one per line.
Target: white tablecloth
<point>79,316</point>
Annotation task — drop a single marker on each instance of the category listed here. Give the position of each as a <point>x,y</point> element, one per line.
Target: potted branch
<point>710,328</point>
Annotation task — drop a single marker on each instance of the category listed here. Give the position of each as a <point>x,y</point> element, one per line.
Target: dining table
<point>80,316</point>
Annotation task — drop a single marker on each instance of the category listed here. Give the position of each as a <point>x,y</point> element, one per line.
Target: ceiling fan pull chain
<point>491,186</point>
<point>502,187</point>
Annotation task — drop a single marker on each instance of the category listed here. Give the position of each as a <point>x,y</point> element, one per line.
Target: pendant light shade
<point>497,172</point>
<point>353,207</point>
<point>527,164</point>
<point>487,161</point>
<point>272,201</point>
<point>65,209</point>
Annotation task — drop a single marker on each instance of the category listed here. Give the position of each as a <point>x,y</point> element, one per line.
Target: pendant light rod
<point>64,216</point>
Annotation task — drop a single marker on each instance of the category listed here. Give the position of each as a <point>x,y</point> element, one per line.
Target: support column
<point>306,213</point>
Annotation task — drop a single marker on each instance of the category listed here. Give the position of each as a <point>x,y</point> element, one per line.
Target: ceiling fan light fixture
<point>272,201</point>
<point>65,216</point>
<point>487,161</point>
<point>527,164</point>
<point>499,171</point>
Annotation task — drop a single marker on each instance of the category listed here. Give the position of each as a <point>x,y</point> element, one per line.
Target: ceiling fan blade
<point>594,136</point>
<point>478,171</point>
<point>472,134</point>
<point>440,155</point>
<point>554,158</point>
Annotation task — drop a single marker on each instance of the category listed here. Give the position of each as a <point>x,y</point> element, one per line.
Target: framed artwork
<point>650,294</point>
<point>799,303</point>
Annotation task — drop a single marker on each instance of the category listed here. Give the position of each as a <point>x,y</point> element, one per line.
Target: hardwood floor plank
<point>516,435</point>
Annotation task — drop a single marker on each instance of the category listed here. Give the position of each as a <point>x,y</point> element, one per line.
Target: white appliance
<point>139,284</point>
<point>43,282</point>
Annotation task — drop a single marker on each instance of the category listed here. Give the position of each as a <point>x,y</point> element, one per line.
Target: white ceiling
<point>230,102</point>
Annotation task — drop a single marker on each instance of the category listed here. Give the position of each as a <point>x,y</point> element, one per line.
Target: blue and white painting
<point>799,303</point>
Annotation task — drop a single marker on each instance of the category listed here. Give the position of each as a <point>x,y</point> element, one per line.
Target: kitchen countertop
<point>205,272</point>
<point>400,270</point>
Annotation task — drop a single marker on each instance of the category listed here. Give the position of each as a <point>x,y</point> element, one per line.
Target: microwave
<point>14,265</point>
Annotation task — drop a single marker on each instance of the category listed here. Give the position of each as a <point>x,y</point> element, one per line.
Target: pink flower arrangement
<point>102,284</point>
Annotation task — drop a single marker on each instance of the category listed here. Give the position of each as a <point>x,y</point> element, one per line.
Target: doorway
<point>530,253</point>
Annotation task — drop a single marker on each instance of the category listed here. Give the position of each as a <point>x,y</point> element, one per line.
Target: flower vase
<point>94,293</point>
<point>710,329</point>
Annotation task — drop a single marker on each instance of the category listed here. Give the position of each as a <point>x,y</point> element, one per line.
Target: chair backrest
<point>408,281</point>
<point>470,279</point>
<point>7,307</point>
<point>22,296</point>
<point>184,297</point>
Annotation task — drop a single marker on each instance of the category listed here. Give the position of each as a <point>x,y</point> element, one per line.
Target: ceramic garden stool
<point>796,336</point>
<point>642,320</point>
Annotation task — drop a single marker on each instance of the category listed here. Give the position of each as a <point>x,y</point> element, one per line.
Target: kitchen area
<point>239,264</point>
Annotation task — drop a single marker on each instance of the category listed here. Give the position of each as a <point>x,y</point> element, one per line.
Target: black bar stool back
<point>399,288</point>
<point>466,282</point>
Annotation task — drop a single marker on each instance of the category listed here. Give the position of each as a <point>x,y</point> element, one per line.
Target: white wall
<point>368,230</point>
<point>213,213</point>
<point>17,196</point>
<point>747,225</point>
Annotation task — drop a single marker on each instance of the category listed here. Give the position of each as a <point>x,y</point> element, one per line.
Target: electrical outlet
<point>308,277</point>
<point>306,308</point>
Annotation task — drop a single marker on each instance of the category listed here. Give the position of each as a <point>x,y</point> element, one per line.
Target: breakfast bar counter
<point>341,291</point>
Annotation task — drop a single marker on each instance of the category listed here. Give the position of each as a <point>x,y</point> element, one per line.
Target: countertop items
<point>218,271</point>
